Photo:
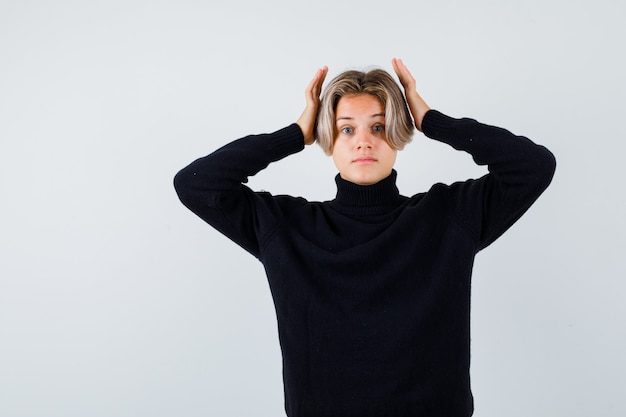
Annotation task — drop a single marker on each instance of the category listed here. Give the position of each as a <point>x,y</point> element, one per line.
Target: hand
<point>312,95</point>
<point>417,105</point>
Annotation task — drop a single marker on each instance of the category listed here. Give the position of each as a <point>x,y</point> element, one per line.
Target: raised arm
<point>519,169</point>
<point>213,186</point>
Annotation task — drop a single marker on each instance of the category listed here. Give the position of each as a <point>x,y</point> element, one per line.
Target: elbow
<point>549,163</point>
<point>193,190</point>
<point>182,185</point>
<point>545,167</point>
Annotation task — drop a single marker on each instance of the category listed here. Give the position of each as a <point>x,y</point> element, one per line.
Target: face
<point>360,151</point>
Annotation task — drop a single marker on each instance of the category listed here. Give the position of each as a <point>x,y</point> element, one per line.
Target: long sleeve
<point>519,171</point>
<point>213,186</point>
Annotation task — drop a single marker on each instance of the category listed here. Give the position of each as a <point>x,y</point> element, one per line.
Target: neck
<point>373,198</point>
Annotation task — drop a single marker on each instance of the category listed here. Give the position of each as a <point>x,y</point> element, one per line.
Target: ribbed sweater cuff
<point>437,125</point>
<point>286,141</point>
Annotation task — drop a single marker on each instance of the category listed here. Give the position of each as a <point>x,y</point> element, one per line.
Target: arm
<point>213,186</point>
<point>519,170</point>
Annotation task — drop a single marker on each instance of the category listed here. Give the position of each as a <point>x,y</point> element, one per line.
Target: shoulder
<point>283,204</point>
<point>437,191</point>
<point>444,198</point>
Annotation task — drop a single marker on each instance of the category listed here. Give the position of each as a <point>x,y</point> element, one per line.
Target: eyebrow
<point>352,118</point>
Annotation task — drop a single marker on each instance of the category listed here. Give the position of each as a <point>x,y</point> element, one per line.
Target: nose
<point>364,140</point>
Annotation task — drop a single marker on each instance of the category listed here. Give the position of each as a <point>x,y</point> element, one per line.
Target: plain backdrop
<point>115,300</point>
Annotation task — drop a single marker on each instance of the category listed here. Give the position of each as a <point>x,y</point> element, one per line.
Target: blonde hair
<point>399,125</point>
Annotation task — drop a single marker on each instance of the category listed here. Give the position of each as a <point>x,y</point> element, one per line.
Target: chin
<point>365,180</point>
<point>363,176</point>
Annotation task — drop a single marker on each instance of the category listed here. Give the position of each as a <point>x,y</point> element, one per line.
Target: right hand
<point>312,95</point>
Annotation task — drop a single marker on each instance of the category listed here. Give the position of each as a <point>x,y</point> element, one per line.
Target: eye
<point>347,130</point>
<point>378,128</point>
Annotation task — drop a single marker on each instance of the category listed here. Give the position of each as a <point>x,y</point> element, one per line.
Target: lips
<point>364,160</point>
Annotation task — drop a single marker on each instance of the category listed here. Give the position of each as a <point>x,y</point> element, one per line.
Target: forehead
<point>363,105</point>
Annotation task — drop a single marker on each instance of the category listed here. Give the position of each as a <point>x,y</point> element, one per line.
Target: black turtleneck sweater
<point>372,289</point>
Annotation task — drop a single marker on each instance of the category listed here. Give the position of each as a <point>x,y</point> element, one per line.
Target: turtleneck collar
<point>371,198</point>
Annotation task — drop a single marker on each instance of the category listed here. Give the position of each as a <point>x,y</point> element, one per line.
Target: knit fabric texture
<point>372,288</point>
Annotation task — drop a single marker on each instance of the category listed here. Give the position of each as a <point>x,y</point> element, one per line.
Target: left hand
<point>417,105</point>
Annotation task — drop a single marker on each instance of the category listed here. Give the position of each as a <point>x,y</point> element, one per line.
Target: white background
<point>117,301</point>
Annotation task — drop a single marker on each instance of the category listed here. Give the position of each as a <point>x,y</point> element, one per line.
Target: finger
<point>405,76</point>
<point>311,87</point>
<point>314,88</point>
<point>398,65</point>
<point>400,69</point>
<point>320,76</point>
<point>395,63</point>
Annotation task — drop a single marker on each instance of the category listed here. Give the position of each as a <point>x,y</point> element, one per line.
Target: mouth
<point>364,160</point>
